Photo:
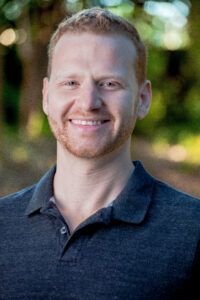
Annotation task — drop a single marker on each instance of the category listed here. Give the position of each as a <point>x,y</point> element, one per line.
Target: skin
<point>92,79</point>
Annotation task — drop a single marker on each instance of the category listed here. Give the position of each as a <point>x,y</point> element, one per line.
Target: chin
<point>84,152</point>
<point>92,152</point>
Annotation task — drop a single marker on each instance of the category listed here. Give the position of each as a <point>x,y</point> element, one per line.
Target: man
<point>97,226</point>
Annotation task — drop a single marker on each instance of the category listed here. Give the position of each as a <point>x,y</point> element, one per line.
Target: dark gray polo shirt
<point>144,246</point>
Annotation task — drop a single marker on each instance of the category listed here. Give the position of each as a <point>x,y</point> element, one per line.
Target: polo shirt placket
<point>71,243</point>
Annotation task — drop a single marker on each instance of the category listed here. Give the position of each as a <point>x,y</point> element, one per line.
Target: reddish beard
<point>80,149</point>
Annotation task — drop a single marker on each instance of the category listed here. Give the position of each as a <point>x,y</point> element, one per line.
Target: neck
<point>86,185</point>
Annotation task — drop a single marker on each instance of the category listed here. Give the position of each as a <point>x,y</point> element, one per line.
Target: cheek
<point>55,112</point>
<point>58,106</point>
<point>126,108</point>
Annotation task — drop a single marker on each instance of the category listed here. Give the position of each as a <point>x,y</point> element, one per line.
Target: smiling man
<point>97,225</point>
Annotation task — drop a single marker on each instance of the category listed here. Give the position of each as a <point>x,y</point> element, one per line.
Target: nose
<point>89,97</point>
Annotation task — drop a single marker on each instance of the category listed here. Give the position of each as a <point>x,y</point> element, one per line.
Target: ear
<point>145,95</point>
<point>45,90</point>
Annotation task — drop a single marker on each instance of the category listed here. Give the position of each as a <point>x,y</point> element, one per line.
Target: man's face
<point>92,98</point>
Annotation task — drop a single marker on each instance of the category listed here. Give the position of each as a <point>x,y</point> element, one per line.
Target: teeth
<point>84,122</point>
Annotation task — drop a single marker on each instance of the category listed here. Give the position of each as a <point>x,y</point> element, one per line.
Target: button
<point>63,230</point>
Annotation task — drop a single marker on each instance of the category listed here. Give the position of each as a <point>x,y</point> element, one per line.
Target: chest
<point>122,263</point>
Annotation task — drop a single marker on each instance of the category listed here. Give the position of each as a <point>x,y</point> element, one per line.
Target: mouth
<point>88,122</point>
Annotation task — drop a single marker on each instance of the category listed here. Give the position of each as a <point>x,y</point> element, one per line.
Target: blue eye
<point>71,83</point>
<point>109,85</point>
<point>106,84</point>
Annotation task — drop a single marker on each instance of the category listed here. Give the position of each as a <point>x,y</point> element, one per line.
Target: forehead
<point>108,50</point>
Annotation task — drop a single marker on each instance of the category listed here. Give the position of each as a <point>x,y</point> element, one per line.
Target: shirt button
<point>63,230</point>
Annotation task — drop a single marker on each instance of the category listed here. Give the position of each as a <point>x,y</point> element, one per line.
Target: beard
<point>95,146</point>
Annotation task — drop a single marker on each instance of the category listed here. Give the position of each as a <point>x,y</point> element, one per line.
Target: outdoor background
<point>167,141</point>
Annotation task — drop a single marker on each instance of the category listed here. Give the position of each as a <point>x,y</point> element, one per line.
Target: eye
<point>109,84</point>
<point>71,84</point>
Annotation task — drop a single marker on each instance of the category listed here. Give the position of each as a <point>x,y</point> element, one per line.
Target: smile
<point>88,122</point>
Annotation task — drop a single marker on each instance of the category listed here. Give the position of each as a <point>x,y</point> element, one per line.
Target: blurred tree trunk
<point>38,25</point>
<point>181,78</point>
<point>194,33</point>
<point>32,71</point>
<point>1,91</point>
<point>25,51</point>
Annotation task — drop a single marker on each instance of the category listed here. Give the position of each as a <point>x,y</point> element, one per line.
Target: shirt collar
<point>130,206</point>
<point>42,193</point>
<point>133,202</point>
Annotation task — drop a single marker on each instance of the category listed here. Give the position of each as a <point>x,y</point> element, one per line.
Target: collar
<point>133,202</point>
<point>130,206</point>
<point>42,193</point>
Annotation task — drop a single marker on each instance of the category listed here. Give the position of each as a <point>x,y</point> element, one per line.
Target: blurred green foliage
<point>174,72</point>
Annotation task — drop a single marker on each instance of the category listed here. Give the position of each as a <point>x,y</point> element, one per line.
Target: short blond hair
<point>100,21</point>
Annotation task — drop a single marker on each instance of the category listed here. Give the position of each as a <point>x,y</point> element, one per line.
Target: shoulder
<point>175,202</point>
<point>16,202</point>
<point>167,192</point>
<point>31,198</point>
<point>162,195</point>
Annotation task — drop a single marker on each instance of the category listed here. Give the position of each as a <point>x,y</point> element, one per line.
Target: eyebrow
<point>113,75</point>
<point>102,77</point>
<point>67,75</point>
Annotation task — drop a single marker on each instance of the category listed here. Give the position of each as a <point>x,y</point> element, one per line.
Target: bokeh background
<point>167,141</point>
